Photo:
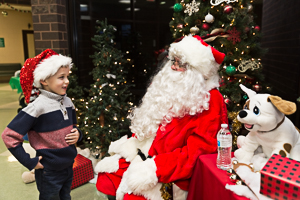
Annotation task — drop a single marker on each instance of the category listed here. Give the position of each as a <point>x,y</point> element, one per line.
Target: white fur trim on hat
<point>190,50</point>
<point>48,67</point>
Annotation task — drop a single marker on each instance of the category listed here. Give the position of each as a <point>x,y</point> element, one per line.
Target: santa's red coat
<point>177,147</point>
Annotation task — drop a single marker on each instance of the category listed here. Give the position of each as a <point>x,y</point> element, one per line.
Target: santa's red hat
<point>198,54</point>
<point>39,68</point>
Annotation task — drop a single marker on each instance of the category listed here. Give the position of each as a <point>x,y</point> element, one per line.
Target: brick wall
<point>280,28</point>
<point>50,25</point>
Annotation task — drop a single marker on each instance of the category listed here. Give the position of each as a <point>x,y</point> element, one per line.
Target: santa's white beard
<point>171,94</point>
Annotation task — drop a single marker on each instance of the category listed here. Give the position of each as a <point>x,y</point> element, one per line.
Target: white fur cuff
<point>141,176</point>
<point>108,164</point>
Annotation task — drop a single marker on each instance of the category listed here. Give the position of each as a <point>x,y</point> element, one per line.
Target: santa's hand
<point>123,188</point>
<point>127,148</point>
<point>141,176</point>
<point>108,164</point>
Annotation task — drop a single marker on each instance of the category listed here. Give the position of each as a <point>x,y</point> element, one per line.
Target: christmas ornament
<point>229,53</point>
<point>194,30</point>
<point>227,100</point>
<point>234,35</point>
<point>234,162</point>
<point>257,87</point>
<point>209,18</point>
<point>191,8</point>
<point>257,28</point>
<point>205,26</point>
<point>247,29</point>
<point>198,22</point>
<point>179,26</point>
<point>249,8</point>
<point>217,2</point>
<point>228,9</point>
<point>233,178</point>
<point>247,64</point>
<point>230,70</point>
<point>218,32</point>
<point>229,171</point>
<point>178,7</point>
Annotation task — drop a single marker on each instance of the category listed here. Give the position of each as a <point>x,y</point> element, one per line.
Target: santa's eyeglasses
<point>177,65</point>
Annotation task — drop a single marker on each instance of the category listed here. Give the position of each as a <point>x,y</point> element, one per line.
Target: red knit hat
<point>48,62</point>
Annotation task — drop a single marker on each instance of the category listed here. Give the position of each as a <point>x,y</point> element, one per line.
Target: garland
<point>13,8</point>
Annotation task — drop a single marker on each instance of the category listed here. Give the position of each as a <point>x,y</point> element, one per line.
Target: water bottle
<point>224,138</point>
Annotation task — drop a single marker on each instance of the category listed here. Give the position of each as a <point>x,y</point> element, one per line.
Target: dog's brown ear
<point>246,105</point>
<point>286,107</point>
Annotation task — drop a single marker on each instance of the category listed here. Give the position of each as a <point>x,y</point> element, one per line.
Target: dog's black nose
<point>242,114</point>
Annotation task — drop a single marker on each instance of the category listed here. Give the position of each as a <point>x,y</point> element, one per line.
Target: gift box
<point>82,171</point>
<point>280,178</point>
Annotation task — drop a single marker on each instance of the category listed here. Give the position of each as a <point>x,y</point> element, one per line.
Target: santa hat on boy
<point>198,54</point>
<point>39,68</point>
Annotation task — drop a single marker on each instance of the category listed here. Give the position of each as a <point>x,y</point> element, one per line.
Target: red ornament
<point>179,26</point>
<point>205,26</point>
<point>234,35</point>
<point>257,87</point>
<point>257,28</point>
<point>228,9</point>
<point>227,100</point>
<point>247,29</point>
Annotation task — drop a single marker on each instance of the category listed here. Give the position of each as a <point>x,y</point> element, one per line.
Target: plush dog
<point>264,116</point>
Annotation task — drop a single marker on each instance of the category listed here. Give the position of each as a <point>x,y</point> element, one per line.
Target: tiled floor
<point>11,185</point>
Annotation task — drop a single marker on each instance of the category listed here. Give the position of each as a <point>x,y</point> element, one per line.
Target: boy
<point>50,122</point>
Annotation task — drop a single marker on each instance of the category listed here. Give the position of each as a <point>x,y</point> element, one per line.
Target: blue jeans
<point>54,185</point>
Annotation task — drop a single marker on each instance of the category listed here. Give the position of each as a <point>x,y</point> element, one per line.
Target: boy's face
<point>57,83</point>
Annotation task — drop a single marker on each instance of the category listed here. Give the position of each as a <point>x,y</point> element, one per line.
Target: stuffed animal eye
<point>256,110</point>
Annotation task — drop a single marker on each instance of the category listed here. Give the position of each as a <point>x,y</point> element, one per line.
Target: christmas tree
<point>228,26</point>
<point>75,92</point>
<point>141,66</point>
<point>107,107</point>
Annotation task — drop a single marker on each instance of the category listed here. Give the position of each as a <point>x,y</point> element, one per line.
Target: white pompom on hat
<point>198,54</point>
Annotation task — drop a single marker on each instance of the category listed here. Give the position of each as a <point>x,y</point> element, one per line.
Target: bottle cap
<point>224,125</point>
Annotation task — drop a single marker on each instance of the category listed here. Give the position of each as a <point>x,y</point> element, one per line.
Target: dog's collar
<point>273,128</point>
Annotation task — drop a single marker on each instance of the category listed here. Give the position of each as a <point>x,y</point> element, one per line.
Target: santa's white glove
<point>108,164</point>
<point>127,148</point>
<point>140,176</point>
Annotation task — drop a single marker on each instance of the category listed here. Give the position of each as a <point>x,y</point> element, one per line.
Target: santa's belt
<point>142,155</point>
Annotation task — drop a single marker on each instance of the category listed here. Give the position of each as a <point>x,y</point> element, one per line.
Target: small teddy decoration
<point>269,129</point>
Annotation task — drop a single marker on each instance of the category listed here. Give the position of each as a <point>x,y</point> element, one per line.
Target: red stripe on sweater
<point>11,138</point>
<point>49,140</point>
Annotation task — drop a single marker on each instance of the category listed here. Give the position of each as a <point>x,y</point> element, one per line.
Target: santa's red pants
<point>108,183</point>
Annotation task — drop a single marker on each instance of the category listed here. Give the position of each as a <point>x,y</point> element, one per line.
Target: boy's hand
<point>39,165</point>
<point>72,137</point>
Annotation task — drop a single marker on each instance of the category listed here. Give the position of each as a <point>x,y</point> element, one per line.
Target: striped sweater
<point>47,120</point>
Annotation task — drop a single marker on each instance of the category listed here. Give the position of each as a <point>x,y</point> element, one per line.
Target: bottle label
<point>224,143</point>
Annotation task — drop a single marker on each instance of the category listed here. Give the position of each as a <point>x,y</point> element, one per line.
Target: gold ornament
<point>239,182</point>
<point>234,162</point>
<point>248,64</point>
<point>233,178</point>
<point>229,171</point>
<point>194,30</point>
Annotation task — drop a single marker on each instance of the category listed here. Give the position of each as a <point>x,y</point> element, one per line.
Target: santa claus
<point>177,120</point>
